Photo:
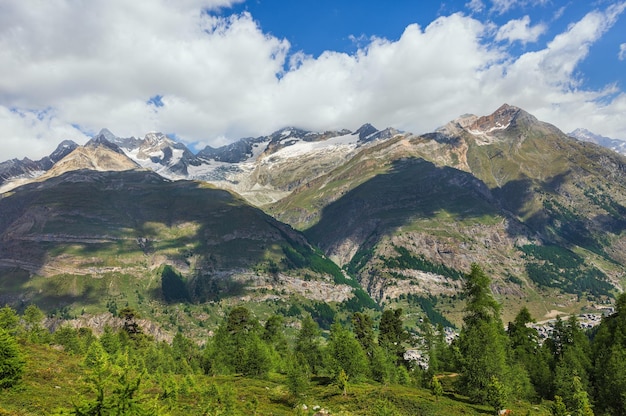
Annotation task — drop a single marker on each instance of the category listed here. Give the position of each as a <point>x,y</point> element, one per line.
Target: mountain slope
<point>585,135</point>
<point>505,190</point>
<point>89,238</point>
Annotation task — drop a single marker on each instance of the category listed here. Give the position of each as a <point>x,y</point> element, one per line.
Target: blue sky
<point>213,71</point>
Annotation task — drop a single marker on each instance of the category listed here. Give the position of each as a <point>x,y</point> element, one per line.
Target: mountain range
<point>347,219</point>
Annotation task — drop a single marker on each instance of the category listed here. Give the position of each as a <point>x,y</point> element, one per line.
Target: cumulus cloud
<point>520,30</point>
<point>622,52</point>
<point>70,70</point>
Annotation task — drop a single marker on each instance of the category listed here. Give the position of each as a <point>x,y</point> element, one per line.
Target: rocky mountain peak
<point>365,132</point>
<point>107,135</point>
<point>63,149</point>
<point>498,120</point>
<point>101,141</point>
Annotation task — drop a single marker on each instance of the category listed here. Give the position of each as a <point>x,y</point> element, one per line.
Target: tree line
<point>580,372</point>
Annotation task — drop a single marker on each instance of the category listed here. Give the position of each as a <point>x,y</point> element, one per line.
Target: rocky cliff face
<point>507,191</point>
<point>404,214</point>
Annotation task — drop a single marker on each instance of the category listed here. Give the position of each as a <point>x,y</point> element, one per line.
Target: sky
<point>209,72</point>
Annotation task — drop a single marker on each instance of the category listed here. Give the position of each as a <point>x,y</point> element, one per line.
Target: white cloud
<point>520,30</point>
<point>475,6</point>
<point>503,6</point>
<point>622,52</point>
<point>96,64</point>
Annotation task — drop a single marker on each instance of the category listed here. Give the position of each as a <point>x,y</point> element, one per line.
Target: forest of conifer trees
<point>124,371</point>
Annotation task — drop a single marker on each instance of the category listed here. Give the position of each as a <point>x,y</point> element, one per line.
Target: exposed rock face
<point>405,214</point>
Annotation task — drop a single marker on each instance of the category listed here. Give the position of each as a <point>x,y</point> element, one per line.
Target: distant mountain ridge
<point>585,135</point>
<point>403,215</point>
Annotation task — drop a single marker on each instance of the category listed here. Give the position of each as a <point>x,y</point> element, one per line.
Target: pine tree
<point>11,360</point>
<point>297,376</point>
<point>346,354</point>
<point>364,331</point>
<point>482,342</point>
<point>609,359</point>
<point>392,335</point>
<point>436,388</point>
<point>496,394</point>
<point>308,344</point>
<point>9,320</point>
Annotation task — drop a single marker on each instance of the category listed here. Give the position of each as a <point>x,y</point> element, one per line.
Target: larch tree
<point>482,342</point>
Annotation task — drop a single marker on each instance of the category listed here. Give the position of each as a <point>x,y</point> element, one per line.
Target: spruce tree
<point>392,335</point>
<point>308,344</point>
<point>11,360</point>
<point>482,342</point>
<point>346,354</point>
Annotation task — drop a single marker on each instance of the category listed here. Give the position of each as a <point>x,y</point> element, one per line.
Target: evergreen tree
<point>364,331</point>
<point>9,320</point>
<point>436,388</point>
<point>383,366</point>
<point>346,354</point>
<point>609,359</point>
<point>570,358</point>
<point>274,337</point>
<point>185,354</point>
<point>11,360</point>
<point>110,341</point>
<point>33,319</point>
<point>482,343</point>
<point>558,407</point>
<point>297,376</point>
<point>308,344</point>
<point>68,338</point>
<point>496,394</point>
<point>236,346</point>
<point>392,335</point>
<point>580,402</point>
<point>528,365</point>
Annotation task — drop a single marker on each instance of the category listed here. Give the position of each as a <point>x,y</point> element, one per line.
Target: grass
<point>54,380</point>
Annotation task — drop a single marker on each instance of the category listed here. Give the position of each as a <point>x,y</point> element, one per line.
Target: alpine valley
<point>326,223</point>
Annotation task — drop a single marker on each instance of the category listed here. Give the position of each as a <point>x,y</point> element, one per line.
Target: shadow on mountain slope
<point>549,210</point>
<point>416,189</point>
<point>412,189</point>
<point>88,224</point>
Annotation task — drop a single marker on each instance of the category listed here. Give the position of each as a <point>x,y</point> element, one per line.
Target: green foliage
<point>9,320</point>
<point>359,302</point>
<point>580,399</point>
<point>406,260</point>
<point>383,366</point>
<point>11,360</point>
<point>555,266</point>
<point>298,377</point>
<point>436,388</point>
<point>391,333</point>
<point>482,342</point>
<point>363,327</point>
<point>558,407</point>
<point>427,304</point>
<point>33,318</point>
<point>496,394</point>
<point>322,313</point>
<point>384,407</point>
<point>346,354</point>
<point>359,260</point>
<point>609,361</point>
<point>308,346</point>
<point>68,338</point>
<point>237,348</point>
